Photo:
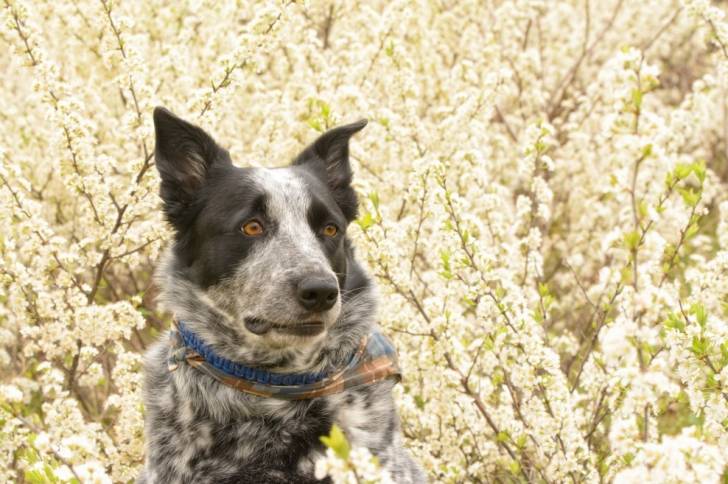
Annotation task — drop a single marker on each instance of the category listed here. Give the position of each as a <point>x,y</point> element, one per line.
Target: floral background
<point>544,206</point>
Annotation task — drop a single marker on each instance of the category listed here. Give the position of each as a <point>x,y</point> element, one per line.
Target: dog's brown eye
<point>253,228</point>
<point>330,230</point>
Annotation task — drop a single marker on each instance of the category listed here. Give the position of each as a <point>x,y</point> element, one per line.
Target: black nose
<point>317,293</point>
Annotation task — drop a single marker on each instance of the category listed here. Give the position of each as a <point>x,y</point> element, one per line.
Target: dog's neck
<point>229,340</point>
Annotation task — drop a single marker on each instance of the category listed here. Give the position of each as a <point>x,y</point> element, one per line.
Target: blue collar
<point>229,367</point>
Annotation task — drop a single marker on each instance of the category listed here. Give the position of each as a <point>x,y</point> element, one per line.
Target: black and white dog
<point>263,282</point>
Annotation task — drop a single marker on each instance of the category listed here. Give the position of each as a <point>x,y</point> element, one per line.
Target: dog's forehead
<point>286,191</point>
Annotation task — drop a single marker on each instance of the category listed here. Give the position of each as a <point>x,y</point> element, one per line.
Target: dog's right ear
<point>184,155</point>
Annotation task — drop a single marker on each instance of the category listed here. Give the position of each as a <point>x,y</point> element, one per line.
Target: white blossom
<point>544,206</point>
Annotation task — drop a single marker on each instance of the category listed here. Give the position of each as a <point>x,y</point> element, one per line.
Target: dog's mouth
<point>261,326</point>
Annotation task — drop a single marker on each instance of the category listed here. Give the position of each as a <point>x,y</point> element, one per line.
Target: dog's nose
<point>317,293</point>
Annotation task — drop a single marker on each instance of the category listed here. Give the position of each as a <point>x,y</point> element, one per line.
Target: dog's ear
<point>328,156</point>
<point>184,155</point>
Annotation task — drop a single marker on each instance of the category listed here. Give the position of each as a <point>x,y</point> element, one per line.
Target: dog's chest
<point>285,435</point>
<point>211,433</point>
<point>285,440</point>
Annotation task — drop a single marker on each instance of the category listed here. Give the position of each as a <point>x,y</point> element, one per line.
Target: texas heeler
<point>274,338</point>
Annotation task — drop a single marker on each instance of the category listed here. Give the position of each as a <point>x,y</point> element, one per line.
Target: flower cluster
<point>545,210</point>
<point>349,465</point>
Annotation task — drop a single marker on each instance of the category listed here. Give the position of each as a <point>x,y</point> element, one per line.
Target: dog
<point>274,319</point>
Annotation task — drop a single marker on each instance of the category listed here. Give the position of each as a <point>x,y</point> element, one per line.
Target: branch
<point>560,92</point>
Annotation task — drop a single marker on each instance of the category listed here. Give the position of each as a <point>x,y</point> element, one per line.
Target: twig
<point>560,92</point>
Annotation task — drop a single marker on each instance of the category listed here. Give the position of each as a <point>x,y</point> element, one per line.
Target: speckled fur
<point>200,431</point>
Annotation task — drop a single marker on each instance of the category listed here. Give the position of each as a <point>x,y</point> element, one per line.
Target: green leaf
<point>315,124</point>
<point>625,277</point>
<point>632,240</point>
<point>674,322</point>
<point>700,315</point>
<point>669,179</point>
<point>325,109</point>
<point>521,441</point>
<point>469,302</point>
<point>699,346</point>
<point>374,198</point>
<point>683,170</point>
<point>711,384</point>
<point>699,170</point>
<point>389,50</point>
<point>365,221</point>
<point>35,476</point>
<point>690,197</point>
<point>538,316</point>
<point>465,236</point>
<point>692,230</point>
<point>642,209</point>
<point>337,442</point>
<point>497,378</point>
<point>637,98</point>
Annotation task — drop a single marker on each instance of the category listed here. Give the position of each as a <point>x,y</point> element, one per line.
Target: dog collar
<point>374,360</point>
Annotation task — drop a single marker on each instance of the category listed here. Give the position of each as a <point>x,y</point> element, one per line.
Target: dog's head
<point>266,247</point>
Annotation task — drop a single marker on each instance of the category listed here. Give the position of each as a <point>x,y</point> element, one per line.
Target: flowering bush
<point>545,208</point>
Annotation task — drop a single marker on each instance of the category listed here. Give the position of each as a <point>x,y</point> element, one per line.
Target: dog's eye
<point>330,230</point>
<point>253,228</point>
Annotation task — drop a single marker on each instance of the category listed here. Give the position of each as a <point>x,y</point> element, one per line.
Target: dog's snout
<point>317,293</point>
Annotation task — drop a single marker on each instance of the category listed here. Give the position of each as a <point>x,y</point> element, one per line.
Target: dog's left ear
<point>328,156</point>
